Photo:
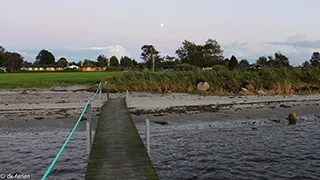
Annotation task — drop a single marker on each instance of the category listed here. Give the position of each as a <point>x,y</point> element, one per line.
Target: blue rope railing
<point>70,135</point>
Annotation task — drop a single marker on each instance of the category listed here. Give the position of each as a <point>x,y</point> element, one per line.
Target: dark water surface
<point>31,154</point>
<point>191,149</point>
<point>255,149</point>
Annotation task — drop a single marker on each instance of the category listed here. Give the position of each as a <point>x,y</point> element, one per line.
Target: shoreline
<point>38,107</point>
<point>146,103</point>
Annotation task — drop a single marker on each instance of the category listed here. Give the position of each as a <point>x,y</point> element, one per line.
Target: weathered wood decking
<point>117,150</point>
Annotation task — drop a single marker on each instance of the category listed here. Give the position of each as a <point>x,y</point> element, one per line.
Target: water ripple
<point>234,150</point>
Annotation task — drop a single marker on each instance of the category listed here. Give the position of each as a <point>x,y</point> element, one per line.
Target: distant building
<point>45,68</point>
<point>93,68</point>
<point>73,67</point>
<point>3,69</point>
<point>207,68</point>
<point>255,66</point>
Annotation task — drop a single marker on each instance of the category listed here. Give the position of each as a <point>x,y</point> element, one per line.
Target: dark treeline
<point>204,55</point>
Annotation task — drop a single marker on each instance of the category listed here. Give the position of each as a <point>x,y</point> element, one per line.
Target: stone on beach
<point>244,91</point>
<point>261,92</point>
<point>203,86</point>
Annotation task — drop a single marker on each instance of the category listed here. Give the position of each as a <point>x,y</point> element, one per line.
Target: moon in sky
<point>161,24</point>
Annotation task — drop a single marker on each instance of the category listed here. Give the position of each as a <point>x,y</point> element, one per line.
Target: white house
<point>3,69</point>
<point>73,67</point>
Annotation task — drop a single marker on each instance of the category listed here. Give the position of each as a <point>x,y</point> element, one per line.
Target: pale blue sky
<point>79,29</point>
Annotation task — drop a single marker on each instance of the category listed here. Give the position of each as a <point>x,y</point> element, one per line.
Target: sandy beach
<point>49,108</point>
<point>66,103</point>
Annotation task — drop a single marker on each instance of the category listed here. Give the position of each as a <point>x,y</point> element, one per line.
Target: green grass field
<point>49,79</point>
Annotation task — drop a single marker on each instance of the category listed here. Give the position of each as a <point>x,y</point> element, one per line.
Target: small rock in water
<point>254,129</point>
<point>163,123</point>
<point>285,106</point>
<point>39,118</point>
<point>292,118</point>
<point>276,120</point>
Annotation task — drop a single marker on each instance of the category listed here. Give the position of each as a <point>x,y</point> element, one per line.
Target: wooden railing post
<point>107,90</point>
<point>88,128</point>
<point>148,135</point>
<point>100,92</point>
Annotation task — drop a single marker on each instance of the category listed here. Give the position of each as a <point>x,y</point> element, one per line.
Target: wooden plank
<point>117,150</point>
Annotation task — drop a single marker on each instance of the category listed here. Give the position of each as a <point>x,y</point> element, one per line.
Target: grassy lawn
<point>49,79</point>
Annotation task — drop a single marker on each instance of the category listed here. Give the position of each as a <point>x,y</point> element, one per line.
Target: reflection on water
<point>255,149</point>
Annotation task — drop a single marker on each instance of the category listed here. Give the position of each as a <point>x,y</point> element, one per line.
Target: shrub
<point>185,67</point>
<point>110,68</point>
<point>219,68</point>
<point>273,80</point>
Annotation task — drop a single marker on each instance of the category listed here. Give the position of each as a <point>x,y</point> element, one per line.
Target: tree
<point>281,60</point>
<point>244,63</point>
<point>26,64</point>
<point>45,58</point>
<point>148,53</point>
<point>170,61</point>
<point>74,63</point>
<point>315,59</point>
<point>226,62</point>
<point>62,62</point>
<point>2,60</point>
<point>205,55</point>
<point>169,58</point>
<point>212,53</point>
<point>271,62</point>
<point>233,63</point>
<point>114,62</point>
<point>262,60</point>
<point>88,62</point>
<point>126,62</point>
<point>134,62</point>
<point>14,61</point>
<point>102,61</point>
<point>80,64</point>
<point>306,64</point>
<point>187,53</point>
<point>2,50</point>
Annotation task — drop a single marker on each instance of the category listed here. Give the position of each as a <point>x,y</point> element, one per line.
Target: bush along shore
<point>266,81</point>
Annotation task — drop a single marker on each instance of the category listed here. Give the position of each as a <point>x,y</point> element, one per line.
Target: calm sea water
<point>255,149</point>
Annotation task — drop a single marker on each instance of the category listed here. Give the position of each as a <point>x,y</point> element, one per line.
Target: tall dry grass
<point>222,82</point>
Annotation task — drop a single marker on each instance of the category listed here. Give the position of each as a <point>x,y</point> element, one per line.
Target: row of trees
<point>211,53</point>
<point>47,58</point>
<point>206,55</point>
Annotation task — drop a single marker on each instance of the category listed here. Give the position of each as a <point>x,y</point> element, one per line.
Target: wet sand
<point>62,106</point>
<point>45,108</point>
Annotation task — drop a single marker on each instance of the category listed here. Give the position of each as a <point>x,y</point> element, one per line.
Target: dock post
<point>148,135</point>
<point>88,127</point>
<point>100,92</point>
<point>107,91</point>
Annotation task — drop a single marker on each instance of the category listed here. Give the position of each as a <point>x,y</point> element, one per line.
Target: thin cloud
<point>116,50</point>
<point>298,41</point>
